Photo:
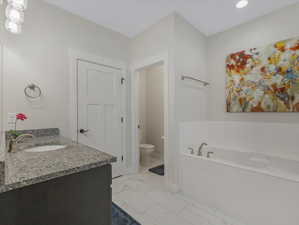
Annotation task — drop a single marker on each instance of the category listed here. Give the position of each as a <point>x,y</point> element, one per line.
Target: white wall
<point>156,41</point>
<point>190,59</point>
<point>142,107</point>
<point>40,55</point>
<point>151,110</point>
<point>155,107</point>
<point>190,51</point>
<point>243,136</point>
<point>277,26</point>
<point>186,48</point>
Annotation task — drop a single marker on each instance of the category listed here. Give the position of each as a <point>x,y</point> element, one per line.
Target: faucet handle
<point>209,154</point>
<point>22,137</point>
<point>192,150</point>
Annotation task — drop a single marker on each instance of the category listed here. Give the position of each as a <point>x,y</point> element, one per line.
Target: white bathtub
<point>256,188</point>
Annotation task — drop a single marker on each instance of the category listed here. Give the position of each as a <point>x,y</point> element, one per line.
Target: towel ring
<point>32,91</point>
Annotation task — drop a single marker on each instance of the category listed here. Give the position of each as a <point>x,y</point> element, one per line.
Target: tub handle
<point>191,151</point>
<point>209,154</point>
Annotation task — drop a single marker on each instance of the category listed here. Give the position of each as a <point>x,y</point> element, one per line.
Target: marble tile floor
<point>145,197</point>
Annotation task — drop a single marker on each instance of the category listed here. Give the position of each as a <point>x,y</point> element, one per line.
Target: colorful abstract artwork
<point>264,79</point>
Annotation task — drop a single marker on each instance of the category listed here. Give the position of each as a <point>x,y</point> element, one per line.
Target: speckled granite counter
<point>24,168</point>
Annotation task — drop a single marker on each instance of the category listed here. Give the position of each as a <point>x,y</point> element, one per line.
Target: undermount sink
<point>46,148</point>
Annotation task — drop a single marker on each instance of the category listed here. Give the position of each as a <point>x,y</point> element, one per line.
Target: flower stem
<point>16,124</point>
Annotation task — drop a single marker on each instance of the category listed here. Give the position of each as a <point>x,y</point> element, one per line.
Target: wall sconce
<point>13,27</point>
<point>15,15</point>
<point>18,4</point>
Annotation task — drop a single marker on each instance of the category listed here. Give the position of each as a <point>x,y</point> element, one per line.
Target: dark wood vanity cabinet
<point>79,199</point>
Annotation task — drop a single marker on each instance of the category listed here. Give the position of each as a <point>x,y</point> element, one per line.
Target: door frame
<point>135,68</point>
<point>74,57</point>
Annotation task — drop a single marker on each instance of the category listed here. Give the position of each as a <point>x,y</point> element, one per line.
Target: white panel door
<point>99,110</point>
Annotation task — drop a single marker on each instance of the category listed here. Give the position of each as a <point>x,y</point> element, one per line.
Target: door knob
<point>83,131</point>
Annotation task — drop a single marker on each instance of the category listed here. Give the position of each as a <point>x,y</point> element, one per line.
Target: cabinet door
<point>81,199</point>
<point>8,211</point>
<point>78,199</point>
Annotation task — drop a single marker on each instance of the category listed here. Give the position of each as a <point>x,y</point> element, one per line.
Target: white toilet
<point>146,151</point>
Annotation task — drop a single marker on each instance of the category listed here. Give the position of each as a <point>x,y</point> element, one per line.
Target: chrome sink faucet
<point>14,141</point>
<point>200,149</point>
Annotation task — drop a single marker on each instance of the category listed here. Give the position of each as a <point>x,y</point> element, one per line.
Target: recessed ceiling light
<point>242,4</point>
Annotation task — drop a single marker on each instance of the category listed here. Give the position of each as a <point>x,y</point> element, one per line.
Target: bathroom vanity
<point>68,186</point>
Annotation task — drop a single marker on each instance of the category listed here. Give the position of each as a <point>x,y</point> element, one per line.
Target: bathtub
<point>255,188</point>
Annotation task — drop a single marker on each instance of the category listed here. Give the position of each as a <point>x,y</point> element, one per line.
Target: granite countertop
<point>23,168</point>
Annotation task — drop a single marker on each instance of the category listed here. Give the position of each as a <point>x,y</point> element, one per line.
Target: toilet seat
<point>146,151</point>
<point>147,146</point>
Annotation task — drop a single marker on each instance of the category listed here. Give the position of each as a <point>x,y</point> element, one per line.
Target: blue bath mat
<point>120,217</point>
<point>158,170</point>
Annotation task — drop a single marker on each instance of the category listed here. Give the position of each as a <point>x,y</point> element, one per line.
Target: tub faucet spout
<point>200,149</point>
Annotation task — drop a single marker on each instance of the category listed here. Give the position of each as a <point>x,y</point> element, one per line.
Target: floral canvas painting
<point>264,79</point>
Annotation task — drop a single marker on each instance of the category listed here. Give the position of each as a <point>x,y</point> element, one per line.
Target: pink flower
<point>21,116</point>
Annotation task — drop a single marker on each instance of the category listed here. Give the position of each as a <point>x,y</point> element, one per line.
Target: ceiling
<point>131,17</point>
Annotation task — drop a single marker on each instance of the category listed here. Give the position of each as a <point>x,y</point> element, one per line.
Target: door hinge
<point>122,81</point>
<point>122,158</point>
<point>122,120</point>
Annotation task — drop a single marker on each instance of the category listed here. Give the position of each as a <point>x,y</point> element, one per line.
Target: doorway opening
<point>99,106</point>
<point>150,116</point>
